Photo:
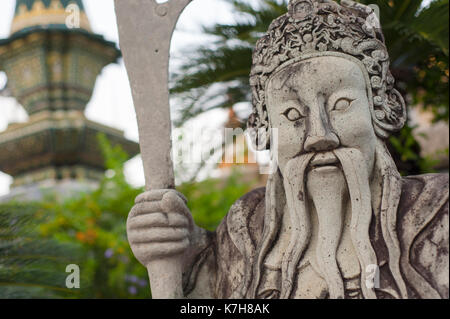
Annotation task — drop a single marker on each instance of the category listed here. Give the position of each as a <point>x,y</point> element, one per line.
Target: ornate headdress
<point>321,27</point>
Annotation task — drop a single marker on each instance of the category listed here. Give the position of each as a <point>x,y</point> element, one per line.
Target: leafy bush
<point>32,266</point>
<point>38,240</point>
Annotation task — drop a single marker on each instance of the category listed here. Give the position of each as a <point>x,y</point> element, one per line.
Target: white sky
<point>111,103</point>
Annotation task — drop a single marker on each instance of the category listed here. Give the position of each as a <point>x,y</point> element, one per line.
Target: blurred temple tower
<point>241,158</point>
<point>52,59</point>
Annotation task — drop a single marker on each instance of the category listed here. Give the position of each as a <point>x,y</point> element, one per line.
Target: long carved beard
<point>328,192</point>
<point>294,186</point>
<point>355,171</point>
<point>330,222</point>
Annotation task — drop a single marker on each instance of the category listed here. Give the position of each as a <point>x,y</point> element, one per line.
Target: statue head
<point>321,78</point>
<point>323,28</point>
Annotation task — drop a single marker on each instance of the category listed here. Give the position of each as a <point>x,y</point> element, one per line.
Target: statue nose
<point>320,135</point>
<point>326,142</point>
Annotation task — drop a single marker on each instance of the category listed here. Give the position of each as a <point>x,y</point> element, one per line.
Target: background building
<point>52,60</point>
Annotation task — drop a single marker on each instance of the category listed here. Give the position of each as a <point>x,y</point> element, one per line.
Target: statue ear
<point>390,113</point>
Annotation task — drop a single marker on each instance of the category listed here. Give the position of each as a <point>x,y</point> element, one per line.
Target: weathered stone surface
<point>425,268</point>
<point>336,220</point>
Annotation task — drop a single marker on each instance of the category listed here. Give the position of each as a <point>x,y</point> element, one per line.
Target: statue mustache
<point>319,158</point>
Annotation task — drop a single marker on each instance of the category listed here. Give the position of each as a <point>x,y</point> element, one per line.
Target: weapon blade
<point>145,31</point>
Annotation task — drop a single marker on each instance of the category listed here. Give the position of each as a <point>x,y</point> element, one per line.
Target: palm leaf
<point>31,266</point>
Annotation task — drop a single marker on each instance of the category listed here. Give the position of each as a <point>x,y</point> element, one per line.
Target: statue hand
<point>159,225</point>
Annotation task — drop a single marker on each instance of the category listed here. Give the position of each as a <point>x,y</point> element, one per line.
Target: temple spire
<point>46,14</point>
<point>51,70</point>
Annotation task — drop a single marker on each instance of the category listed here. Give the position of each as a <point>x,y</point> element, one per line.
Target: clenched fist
<point>159,225</point>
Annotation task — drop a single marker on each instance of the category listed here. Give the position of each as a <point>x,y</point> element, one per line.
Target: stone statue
<point>336,219</point>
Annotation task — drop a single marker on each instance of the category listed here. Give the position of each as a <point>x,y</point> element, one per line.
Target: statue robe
<point>221,269</point>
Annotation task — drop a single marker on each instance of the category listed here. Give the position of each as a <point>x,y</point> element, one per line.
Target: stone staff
<point>145,31</point>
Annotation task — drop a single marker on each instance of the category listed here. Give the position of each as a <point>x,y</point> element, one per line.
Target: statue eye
<point>292,114</point>
<point>342,104</point>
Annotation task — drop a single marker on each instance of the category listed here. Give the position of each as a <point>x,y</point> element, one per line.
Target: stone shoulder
<point>245,219</point>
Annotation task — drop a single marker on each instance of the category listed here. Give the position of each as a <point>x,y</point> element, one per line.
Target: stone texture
<point>432,265</point>
<point>336,220</point>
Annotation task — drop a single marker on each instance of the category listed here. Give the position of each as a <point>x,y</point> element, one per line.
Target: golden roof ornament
<point>31,14</point>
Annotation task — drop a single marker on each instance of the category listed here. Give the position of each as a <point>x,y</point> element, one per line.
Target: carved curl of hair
<point>320,26</point>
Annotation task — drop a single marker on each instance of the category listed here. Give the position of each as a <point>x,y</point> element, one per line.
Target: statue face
<point>318,105</point>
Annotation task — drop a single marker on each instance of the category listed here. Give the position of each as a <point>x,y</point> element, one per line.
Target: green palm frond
<point>216,76</point>
<point>30,265</point>
<point>414,35</point>
<point>432,24</point>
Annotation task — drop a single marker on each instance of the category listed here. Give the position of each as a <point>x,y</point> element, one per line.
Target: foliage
<point>225,60</point>
<point>417,39</point>
<point>97,221</point>
<point>211,199</point>
<point>216,75</point>
<point>38,240</point>
<point>30,265</point>
<point>406,153</point>
<point>94,223</point>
